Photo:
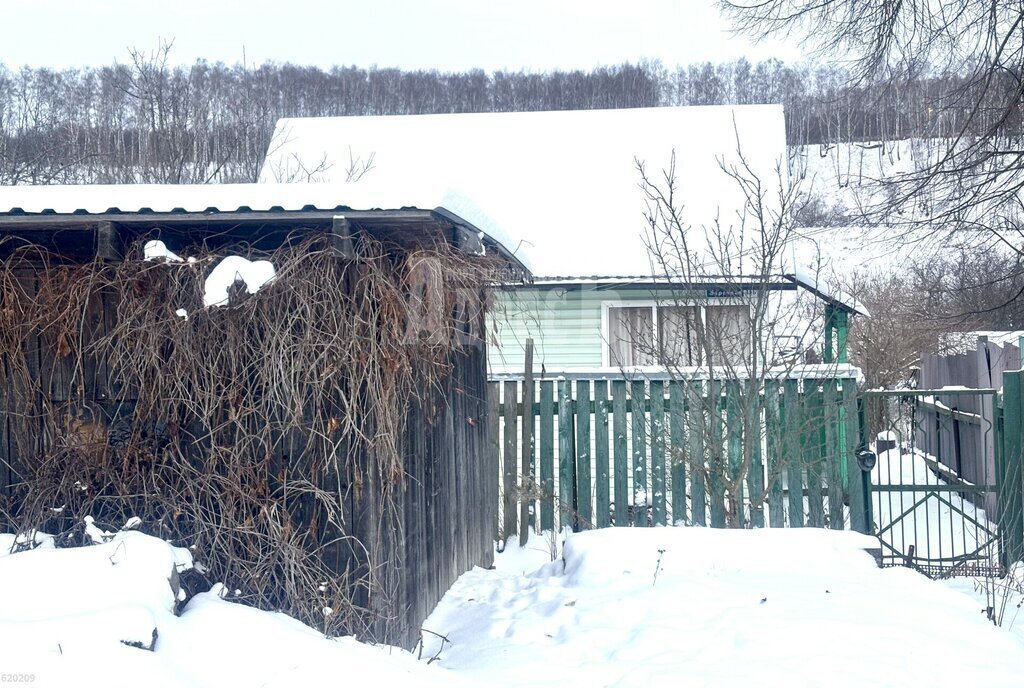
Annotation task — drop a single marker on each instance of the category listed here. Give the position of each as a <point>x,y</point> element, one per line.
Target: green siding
<point>565,324</point>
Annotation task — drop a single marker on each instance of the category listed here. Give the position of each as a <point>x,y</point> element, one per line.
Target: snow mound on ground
<point>81,616</point>
<point>672,606</point>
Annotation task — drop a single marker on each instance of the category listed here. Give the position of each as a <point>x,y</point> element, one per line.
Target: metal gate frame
<point>960,535</point>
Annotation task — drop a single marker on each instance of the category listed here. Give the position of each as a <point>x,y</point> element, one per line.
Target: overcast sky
<point>442,34</point>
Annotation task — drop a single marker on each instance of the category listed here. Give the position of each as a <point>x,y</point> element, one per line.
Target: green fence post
<point>566,455</point>
<point>584,492</point>
<point>734,448</point>
<point>834,453</point>
<point>658,488</point>
<point>547,454</point>
<point>854,483</point>
<point>620,450</point>
<point>1011,526</point>
<point>677,450</point>
<point>792,424</point>
<point>717,458</point>
<point>773,445</point>
<point>755,478</point>
<point>696,429</point>
<point>602,516</point>
<point>638,402</point>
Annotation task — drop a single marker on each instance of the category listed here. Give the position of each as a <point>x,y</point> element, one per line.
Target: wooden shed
<point>318,440</point>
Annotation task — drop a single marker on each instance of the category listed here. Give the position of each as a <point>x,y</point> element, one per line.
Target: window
<point>652,334</point>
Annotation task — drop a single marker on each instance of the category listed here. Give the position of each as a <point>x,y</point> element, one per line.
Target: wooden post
<point>621,455</point>
<point>109,244</point>
<point>566,454</point>
<point>773,445</point>
<point>547,454</point>
<point>526,502</point>
<point>508,464</point>
<point>658,487</point>
<point>341,238</point>
<point>842,336</point>
<point>602,516</point>
<point>1008,485</point>
<point>584,490</point>
<point>637,401</point>
<point>827,352</point>
<point>494,441</point>
<point>677,450</point>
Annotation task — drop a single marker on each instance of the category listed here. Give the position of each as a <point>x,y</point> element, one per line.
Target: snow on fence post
<point>773,445</point>
<point>641,500</point>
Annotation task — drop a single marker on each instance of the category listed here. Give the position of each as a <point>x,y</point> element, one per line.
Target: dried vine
<point>244,431</point>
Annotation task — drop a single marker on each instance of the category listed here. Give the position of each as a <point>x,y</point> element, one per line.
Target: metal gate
<point>934,487</point>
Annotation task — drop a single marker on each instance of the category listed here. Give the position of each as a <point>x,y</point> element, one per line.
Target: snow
<point>67,614</point>
<point>155,250</point>
<point>703,607</point>
<point>938,529</point>
<point>231,269</point>
<point>563,184</point>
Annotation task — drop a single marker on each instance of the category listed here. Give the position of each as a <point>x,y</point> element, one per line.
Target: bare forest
<point>151,120</point>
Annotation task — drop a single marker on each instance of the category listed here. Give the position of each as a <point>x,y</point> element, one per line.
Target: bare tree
<point>973,176</point>
<point>728,327</point>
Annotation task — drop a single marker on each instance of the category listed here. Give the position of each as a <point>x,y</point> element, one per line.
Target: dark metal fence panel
<point>926,513</point>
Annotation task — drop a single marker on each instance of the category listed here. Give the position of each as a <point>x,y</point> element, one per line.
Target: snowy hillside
<point>845,186</point>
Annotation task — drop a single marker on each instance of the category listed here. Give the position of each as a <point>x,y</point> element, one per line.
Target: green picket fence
<point>601,452</point>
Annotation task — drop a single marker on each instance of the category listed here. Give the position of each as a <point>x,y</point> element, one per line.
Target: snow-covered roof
<point>564,184</point>
<point>22,203</point>
<point>828,290</point>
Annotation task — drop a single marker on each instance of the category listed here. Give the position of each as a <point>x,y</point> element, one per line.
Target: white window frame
<point>654,304</point>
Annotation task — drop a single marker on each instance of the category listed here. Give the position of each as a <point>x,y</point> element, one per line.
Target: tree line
<point>148,120</point>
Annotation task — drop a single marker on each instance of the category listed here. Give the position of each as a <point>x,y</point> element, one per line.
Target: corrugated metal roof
<point>23,203</point>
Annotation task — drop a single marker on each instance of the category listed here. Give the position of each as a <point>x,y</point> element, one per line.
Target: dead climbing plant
<point>246,432</point>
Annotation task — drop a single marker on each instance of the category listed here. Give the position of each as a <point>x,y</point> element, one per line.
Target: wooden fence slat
<point>493,437</point>
<point>814,444</point>
<point>734,447</point>
<point>854,480</point>
<point>509,460</point>
<point>717,458</point>
<point>566,455</point>
<point>657,424</point>
<point>584,491</point>
<point>776,513</point>
<point>677,450</point>
<point>602,516</point>
<point>1011,525</point>
<point>641,495</point>
<point>621,453</point>
<point>791,451</point>
<point>755,478</point>
<point>547,454</point>
<point>696,429</point>
<point>527,505</point>
<point>833,454</point>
